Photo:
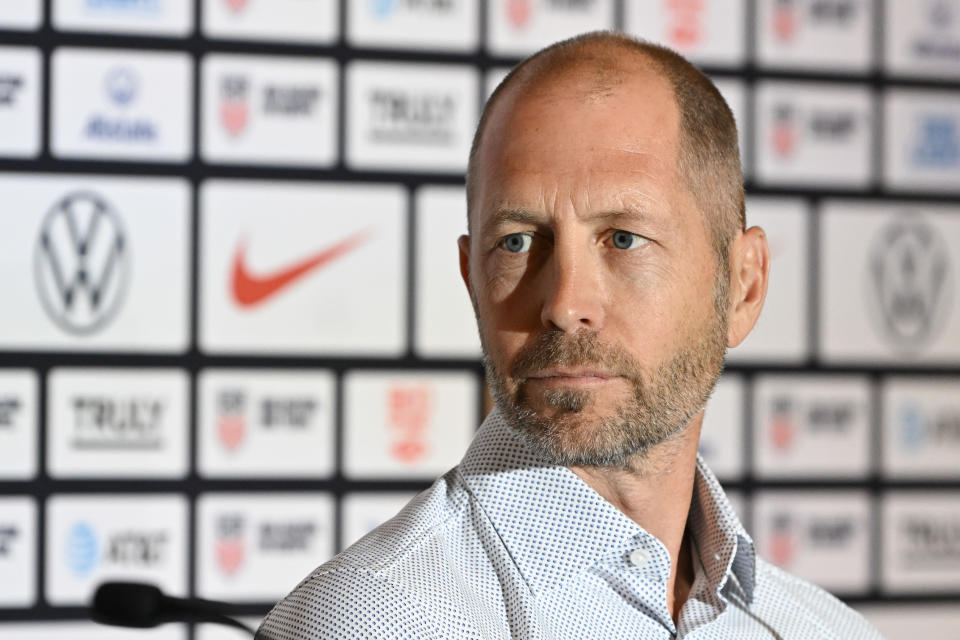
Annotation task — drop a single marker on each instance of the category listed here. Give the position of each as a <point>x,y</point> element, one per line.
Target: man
<point>609,269</point>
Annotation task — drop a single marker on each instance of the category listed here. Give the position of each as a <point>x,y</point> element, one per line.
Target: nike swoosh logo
<point>250,290</point>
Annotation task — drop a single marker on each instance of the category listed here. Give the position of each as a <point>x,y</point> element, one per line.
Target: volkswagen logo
<point>81,263</point>
<point>909,281</point>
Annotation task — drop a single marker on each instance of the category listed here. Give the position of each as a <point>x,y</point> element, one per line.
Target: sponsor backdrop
<point>233,337</point>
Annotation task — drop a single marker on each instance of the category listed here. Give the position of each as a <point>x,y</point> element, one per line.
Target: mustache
<point>581,348</point>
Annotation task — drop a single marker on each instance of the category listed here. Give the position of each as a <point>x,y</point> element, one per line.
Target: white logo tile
<point>890,286</point>
<point>520,27</point>
<point>269,110</point>
<point>823,537</point>
<point>97,538</point>
<point>209,631</point>
<point>18,424</point>
<point>709,32</point>
<point>140,17</point>
<point>721,439</point>
<point>448,25</point>
<point>922,38</point>
<point>780,334</point>
<point>410,117</point>
<point>811,426</point>
<point>110,423</point>
<point>921,427</point>
<point>83,630</point>
<point>301,268</point>
<point>896,620</point>
<point>310,22</point>
<point>121,104</point>
<point>407,424</point>
<point>922,140</point>
<point>18,551</point>
<point>121,285</point>
<point>813,135</point>
<point>21,87</point>
<point>812,34</point>
<point>266,423</point>
<point>22,15</point>
<point>445,325</point>
<point>256,546</point>
<point>920,545</point>
<point>364,512</point>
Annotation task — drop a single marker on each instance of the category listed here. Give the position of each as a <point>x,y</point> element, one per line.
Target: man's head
<point>607,259</point>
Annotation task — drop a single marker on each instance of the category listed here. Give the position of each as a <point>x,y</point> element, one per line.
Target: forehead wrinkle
<point>503,215</point>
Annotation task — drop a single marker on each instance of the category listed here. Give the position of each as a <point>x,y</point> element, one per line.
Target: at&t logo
<point>82,550</point>
<point>81,263</point>
<point>938,142</point>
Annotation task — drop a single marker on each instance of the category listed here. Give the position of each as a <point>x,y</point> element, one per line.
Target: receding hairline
<point>600,53</point>
<point>612,59</point>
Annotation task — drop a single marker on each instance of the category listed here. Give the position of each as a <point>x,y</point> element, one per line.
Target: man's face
<point>591,270</point>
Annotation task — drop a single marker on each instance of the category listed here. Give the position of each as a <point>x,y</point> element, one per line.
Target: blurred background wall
<point>233,336</point>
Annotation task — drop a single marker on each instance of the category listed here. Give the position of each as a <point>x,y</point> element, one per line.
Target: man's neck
<point>655,492</point>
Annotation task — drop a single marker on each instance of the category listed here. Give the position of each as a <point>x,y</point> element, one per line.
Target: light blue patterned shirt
<point>504,546</point>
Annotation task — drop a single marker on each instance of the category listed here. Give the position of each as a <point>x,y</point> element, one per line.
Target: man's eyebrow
<point>501,216</point>
<point>525,216</point>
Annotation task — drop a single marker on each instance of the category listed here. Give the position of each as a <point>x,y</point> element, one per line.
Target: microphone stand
<point>140,605</point>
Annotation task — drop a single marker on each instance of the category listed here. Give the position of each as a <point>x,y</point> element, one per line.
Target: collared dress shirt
<point>506,546</point>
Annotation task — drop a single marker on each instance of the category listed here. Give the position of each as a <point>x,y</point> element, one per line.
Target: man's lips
<point>577,376</point>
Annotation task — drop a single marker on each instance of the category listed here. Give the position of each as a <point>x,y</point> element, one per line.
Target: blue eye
<point>627,240</point>
<point>517,242</point>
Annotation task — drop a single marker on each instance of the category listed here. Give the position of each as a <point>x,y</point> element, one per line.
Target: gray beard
<point>655,411</point>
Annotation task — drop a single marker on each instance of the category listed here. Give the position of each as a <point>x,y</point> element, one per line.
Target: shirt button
<point>639,557</point>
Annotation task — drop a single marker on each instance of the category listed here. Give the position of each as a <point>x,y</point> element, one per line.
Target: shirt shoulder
<point>801,609</point>
<point>376,587</point>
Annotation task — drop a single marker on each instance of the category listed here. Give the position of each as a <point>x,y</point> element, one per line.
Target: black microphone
<point>140,605</point>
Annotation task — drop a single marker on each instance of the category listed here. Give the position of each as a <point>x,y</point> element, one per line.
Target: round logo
<point>909,282</point>
<point>121,85</point>
<point>81,263</point>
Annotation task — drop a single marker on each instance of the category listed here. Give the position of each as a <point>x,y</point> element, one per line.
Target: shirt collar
<point>555,526</point>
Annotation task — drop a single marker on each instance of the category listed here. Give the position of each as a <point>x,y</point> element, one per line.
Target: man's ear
<point>463,242</point>
<point>749,275</point>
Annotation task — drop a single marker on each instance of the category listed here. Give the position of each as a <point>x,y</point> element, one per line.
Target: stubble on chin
<point>566,430</point>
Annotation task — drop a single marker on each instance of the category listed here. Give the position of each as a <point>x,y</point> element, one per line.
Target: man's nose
<point>573,297</point>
